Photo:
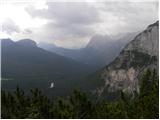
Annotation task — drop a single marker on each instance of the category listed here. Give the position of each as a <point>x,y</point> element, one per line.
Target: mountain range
<point>25,64</point>
<point>105,66</point>
<point>25,55</point>
<point>100,50</point>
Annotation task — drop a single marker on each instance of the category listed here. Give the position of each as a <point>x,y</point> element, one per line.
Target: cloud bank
<point>72,24</point>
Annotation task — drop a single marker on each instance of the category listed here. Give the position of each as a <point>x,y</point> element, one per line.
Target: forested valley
<point>79,105</point>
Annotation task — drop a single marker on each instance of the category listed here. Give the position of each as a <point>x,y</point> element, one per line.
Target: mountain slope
<point>141,53</point>
<point>27,56</point>
<point>69,53</point>
<point>26,65</point>
<point>101,50</point>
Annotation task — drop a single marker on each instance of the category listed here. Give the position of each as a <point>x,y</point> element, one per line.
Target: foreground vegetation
<point>79,105</point>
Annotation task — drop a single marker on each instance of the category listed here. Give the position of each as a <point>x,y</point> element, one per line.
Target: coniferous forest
<point>144,104</point>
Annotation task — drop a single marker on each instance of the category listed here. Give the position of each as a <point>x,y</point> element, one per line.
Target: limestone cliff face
<point>142,52</point>
<point>147,41</point>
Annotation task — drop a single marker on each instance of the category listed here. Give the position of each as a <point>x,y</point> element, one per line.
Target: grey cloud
<point>10,27</point>
<point>82,20</point>
<point>76,18</point>
<point>135,15</point>
<point>49,33</point>
<point>69,30</point>
<point>67,13</point>
<point>27,31</point>
<point>67,19</point>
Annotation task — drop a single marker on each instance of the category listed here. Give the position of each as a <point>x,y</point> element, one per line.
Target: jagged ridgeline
<point>140,54</point>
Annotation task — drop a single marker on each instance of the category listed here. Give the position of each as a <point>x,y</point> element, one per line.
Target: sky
<point>72,24</point>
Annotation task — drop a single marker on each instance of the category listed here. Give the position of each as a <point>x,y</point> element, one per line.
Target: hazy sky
<point>72,24</point>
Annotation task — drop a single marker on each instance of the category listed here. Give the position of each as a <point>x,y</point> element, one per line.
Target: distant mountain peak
<point>154,24</point>
<point>27,42</point>
<point>7,40</point>
<point>98,41</point>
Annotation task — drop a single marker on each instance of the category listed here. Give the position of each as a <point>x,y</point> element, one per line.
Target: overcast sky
<point>72,24</point>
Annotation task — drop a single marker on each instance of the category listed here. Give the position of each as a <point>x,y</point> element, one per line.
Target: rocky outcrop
<point>142,52</point>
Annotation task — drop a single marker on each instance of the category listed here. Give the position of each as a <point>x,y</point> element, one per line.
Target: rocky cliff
<point>141,53</point>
